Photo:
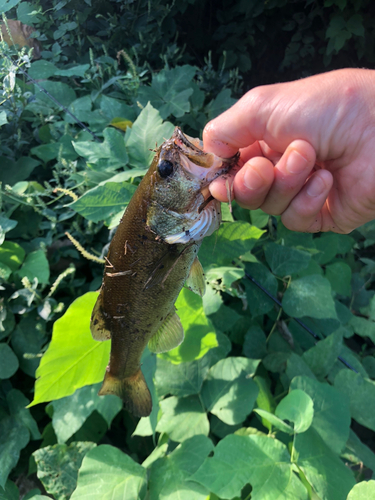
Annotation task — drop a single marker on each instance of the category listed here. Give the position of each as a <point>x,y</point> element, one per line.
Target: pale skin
<point>307,150</point>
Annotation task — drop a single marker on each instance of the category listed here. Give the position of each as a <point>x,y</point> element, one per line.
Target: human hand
<point>307,150</point>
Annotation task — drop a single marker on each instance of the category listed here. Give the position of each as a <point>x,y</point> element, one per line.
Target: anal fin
<point>97,323</point>
<point>195,281</point>
<point>169,335</point>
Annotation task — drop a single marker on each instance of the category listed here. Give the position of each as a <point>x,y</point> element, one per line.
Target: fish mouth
<point>204,166</point>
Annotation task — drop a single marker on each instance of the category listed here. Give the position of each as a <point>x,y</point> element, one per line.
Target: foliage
<point>250,405</point>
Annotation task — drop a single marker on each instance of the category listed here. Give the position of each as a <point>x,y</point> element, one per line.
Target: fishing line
<point>82,125</point>
<point>298,321</point>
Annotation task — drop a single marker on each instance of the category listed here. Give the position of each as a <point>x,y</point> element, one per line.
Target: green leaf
<point>124,478</point>
<point>115,108</point>
<point>221,103</point>
<point>331,412</point>
<point>339,275</point>
<point>261,461</point>
<point>101,202</point>
<point>323,355</point>
<point>362,491</point>
<point>3,118</point>
<point>297,407</point>
<point>285,260</point>
<point>328,245</point>
<point>14,436</point>
<point>35,266</point>
<point>362,326</point>
<point>254,345</point>
<point>10,492</point>
<point>27,341</point>
<point>42,69</point>
<point>12,255</point>
<point>200,335</point>
<point>16,171</point>
<point>170,475</point>
<point>170,91</point>
<point>60,91</point>
<point>78,70</point>
<point>183,418</point>
<point>275,421</point>
<point>362,452</point>
<point>62,369</point>
<point>231,240</point>
<point>6,5</point>
<point>5,226</point>
<point>70,413</point>
<point>258,301</point>
<point>17,407</point>
<point>361,395</point>
<point>58,467</point>
<point>8,362</point>
<point>226,275</point>
<point>309,296</point>
<point>147,130</point>
<point>323,469</point>
<point>183,380</point>
<point>228,391</point>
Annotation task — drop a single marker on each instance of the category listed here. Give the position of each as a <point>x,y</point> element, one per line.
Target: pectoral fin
<point>195,281</point>
<point>169,335</point>
<point>97,323</point>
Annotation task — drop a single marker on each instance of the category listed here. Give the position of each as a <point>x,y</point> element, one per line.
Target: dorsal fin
<point>169,335</point>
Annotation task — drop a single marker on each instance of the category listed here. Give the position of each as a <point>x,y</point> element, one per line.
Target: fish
<point>152,255</point>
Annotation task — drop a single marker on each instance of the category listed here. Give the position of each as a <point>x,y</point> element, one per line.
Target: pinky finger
<point>305,213</point>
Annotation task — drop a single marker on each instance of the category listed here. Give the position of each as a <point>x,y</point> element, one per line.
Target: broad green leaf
<point>17,403</point>
<point>323,469</point>
<point>295,366</point>
<point>5,271</point>
<point>297,407</point>
<point>261,461</point>
<point>309,296</point>
<point>200,335</point>
<point>362,453</point>
<point>285,260</point>
<point>169,476</point>
<point>101,202</point>
<point>228,391</point>
<point>14,436</point>
<point>183,418</point>
<point>11,254</point>
<point>221,103</point>
<point>147,130</point>
<point>108,474</point>
<point>42,69</point>
<point>27,340</point>
<point>112,149</point>
<point>183,380</point>
<point>331,412</point>
<point>362,491</point>
<point>254,345</point>
<point>339,275</point>
<point>35,266</point>
<point>12,172</point>
<point>64,369</point>
<point>9,492</point>
<point>231,240</point>
<point>58,467</point>
<point>62,92</point>
<point>8,361</point>
<point>361,395</point>
<point>328,245</point>
<point>258,301</point>
<point>362,326</point>
<point>274,420</point>
<point>259,218</point>
<point>323,355</point>
<point>71,412</point>
<point>78,70</point>
<point>114,108</point>
<point>226,275</point>
<point>3,118</point>
<point>5,226</point>
<point>6,5</point>
<point>170,91</point>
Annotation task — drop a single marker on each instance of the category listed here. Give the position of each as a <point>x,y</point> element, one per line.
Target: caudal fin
<point>132,390</point>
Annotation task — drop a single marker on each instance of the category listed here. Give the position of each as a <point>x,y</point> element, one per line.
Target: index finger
<point>238,127</point>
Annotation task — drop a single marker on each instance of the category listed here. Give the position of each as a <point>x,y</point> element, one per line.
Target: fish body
<point>151,256</point>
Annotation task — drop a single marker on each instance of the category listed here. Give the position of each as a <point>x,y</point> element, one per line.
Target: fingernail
<point>252,180</point>
<point>315,187</point>
<point>295,163</point>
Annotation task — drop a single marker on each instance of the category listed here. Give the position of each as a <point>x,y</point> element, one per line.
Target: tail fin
<point>132,390</point>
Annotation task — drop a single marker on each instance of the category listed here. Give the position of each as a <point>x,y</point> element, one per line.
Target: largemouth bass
<point>151,256</point>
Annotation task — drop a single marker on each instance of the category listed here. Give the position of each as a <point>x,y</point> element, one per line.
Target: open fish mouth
<point>200,164</point>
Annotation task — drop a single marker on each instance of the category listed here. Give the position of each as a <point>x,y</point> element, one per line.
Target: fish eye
<point>165,168</point>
